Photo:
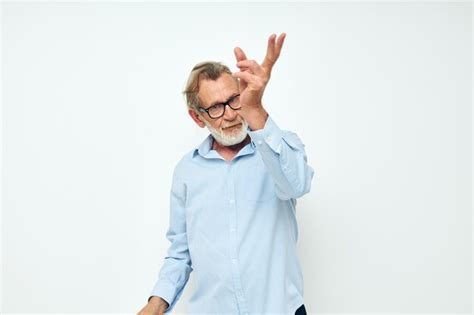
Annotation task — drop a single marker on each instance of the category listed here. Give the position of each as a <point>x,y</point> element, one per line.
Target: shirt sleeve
<point>284,156</point>
<point>177,267</point>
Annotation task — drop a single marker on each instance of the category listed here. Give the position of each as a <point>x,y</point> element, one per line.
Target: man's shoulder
<point>184,163</point>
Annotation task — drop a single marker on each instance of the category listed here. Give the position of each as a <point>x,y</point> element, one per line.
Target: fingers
<point>250,71</point>
<point>273,50</point>
<point>242,83</point>
<point>252,65</point>
<point>270,47</point>
<point>249,79</point>
<point>239,54</point>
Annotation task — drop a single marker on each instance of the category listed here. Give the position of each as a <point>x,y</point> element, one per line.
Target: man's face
<point>231,128</point>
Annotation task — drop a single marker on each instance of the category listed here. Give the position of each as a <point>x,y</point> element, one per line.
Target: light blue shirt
<point>234,225</point>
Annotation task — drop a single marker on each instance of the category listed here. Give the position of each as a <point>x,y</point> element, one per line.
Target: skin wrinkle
<point>210,92</point>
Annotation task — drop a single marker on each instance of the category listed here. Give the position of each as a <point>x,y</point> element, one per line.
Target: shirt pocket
<point>256,184</point>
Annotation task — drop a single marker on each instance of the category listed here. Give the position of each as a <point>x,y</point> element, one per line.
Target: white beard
<point>228,139</point>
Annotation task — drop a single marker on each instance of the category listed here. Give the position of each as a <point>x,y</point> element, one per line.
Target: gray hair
<point>206,70</point>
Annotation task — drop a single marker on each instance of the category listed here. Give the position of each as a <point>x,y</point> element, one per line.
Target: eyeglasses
<point>218,110</point>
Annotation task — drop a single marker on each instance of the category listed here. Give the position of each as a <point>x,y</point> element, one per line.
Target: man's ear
<point>196,118</point>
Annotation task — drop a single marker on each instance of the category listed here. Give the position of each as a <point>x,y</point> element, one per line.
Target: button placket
<point>234,244</point>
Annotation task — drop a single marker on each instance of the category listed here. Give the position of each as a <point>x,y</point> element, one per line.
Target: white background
<point>94,123</point>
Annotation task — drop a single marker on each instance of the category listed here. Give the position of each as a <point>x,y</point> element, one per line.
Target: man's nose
<point>230,114</point>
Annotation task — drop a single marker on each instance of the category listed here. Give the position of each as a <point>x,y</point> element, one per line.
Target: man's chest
<point>243,180</point>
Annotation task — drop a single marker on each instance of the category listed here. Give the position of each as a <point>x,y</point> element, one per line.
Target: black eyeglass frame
<point>202,110</point>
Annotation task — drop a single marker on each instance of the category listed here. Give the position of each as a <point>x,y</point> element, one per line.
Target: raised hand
<point>253,77</point>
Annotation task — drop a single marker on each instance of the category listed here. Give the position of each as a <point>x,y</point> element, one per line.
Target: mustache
<point>235,123</point>
<point>224,127</point>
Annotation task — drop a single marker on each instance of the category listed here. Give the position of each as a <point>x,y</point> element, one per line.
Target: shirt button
<point>231,201</point>
<point>269,138</point>
<point>234,261</point>
<point>259,141</point>
<point>232,229</point>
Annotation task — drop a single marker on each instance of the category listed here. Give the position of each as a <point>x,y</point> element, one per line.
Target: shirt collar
<point>205,146</point>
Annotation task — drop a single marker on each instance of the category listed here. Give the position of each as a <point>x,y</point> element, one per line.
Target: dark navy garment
<point>301,310</point>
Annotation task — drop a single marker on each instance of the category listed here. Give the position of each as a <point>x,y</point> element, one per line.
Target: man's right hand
<point>156,306</point>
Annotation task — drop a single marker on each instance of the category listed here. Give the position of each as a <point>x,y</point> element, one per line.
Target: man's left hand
<point>254,78</point>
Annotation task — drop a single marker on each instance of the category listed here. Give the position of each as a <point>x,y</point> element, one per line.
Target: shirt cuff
<point>166,290</point>
<point>271,134</point>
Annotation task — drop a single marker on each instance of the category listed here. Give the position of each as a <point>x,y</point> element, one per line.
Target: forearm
<point>176,269</point>
<point>255,117</point>
<point>284,156</point>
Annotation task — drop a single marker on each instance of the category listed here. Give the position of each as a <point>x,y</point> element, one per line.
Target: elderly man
<point>233,200</point>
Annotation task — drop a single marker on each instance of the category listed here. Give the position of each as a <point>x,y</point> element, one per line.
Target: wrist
<point>158,302</point>
<point>256,118</point>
